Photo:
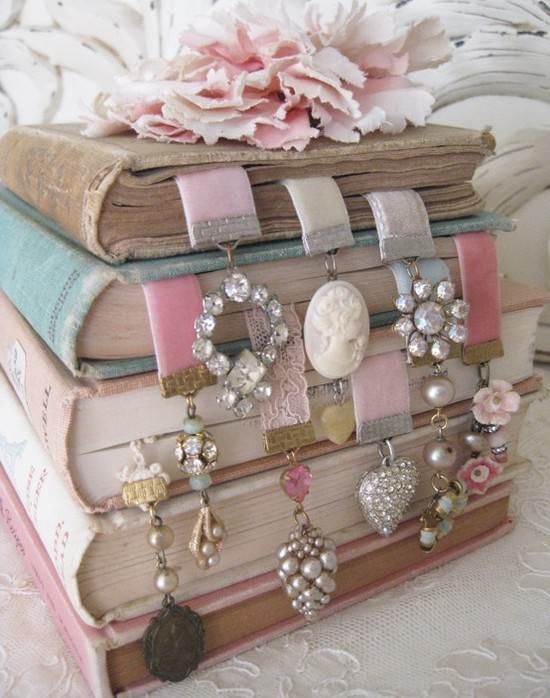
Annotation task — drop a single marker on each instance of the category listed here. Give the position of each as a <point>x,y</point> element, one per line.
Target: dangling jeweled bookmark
<point>431,317</point>
<point>495,400</point>
<point>336,327</point>
<point>307,560</point>
<point>382,409</point>
<point>176,627</point>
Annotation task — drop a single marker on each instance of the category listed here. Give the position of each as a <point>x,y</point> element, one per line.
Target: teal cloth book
<point>54,283</point>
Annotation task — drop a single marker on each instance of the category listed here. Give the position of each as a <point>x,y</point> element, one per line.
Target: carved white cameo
<point>336,329</point>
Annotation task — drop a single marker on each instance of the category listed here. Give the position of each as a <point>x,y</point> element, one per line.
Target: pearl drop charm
<point>438,391</point>
<point>439,454</point>
<point>160,537</point>
<point>166,580</point>
<point>475,441</point>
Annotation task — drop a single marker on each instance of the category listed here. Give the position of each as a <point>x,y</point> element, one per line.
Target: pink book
<point>111,659</point>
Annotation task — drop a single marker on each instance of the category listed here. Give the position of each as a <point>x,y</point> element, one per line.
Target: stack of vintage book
<point>83,223</point>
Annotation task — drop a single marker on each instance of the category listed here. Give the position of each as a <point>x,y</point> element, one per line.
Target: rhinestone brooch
<point>432,319</point>
<point>244,375</point>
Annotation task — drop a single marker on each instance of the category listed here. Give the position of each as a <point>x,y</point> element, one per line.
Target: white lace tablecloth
<point>477,628</point>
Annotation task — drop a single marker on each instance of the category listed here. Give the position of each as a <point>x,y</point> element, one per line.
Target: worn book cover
<point>246,613</point>
<point>106,193</point>
<point>58,286</point>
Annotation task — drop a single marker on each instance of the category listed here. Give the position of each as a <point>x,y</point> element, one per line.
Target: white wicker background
<point>55,54</point>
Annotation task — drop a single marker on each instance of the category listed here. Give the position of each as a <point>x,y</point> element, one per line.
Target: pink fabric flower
<point>477,473</point>
<point>495,404</point>
<point>278,73</point>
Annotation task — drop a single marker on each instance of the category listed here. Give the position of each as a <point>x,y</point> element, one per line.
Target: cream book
<point>86,424</point>
<point>106,567</point>
<point>117,195</point>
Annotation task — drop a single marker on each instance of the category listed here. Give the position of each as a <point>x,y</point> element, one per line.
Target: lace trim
<point>288,403</point>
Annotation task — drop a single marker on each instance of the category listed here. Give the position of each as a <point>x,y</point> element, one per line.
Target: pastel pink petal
<point>500,386</point>
<point>296,482</point>
<point>482,395</point>
<point>511,401</point>
<point>294,133</point>
<point>427,45</point>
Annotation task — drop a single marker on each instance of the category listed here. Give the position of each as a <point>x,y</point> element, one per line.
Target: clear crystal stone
<point>180,453</point>
<point>445,291</point>
<point>203,348</point>
<point>210,451</point>
<point>227,398</point>
<point>274,310</point>
<point>422,289</point>
<point>194,465</point>
<point>259,294</point>
<point>456,333</point>
<point>192,445</point>
<point>417,345</point>
<point>246,373</point>
<point>213,303</point>
<point>404,326</point>
<point>243,408</point>
<point>218,364</point>
<point>429,318</point>
<point>459,309</point>
<point>236,287</point>
<point>405,303</point>
<point>269,355</point>
<point>205,324</point>
<point>280,334</point>
<point>263,391</point>
<point>440,349</point>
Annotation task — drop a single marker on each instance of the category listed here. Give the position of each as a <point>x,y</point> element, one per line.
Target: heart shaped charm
<point>385,493</point>
<point>338,422</point>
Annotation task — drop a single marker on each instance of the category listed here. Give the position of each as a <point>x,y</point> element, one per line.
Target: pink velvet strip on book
<point>173,306</point>
<point>218,206</point>
<point>381,397</point>
<point>477,256</point>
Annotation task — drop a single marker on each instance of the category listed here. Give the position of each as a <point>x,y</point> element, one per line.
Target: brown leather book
<point>117,197</point>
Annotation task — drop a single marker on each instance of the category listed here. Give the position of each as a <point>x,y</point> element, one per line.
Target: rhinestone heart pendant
<point>385,493</point>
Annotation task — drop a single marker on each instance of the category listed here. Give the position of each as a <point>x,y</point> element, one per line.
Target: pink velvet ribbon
<point>381,397</point>
<point>477,256</point>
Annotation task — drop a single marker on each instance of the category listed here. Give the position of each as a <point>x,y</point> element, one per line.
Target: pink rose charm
<point>477,473</point>
<point>495,404</point>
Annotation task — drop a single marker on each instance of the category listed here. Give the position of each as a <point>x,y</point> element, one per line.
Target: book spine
<point>55,175</point>
<point>86,644</point>
<point>64,529</point>
<point>51,281</point>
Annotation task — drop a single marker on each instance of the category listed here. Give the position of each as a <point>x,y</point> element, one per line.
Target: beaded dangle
<point>179,626</point>
<point>449,500</point>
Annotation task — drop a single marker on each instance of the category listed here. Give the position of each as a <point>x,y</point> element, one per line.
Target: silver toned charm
<point>307,565</point>
<point>386,492</point>
<point>432,319</point>
<point>244,376</point>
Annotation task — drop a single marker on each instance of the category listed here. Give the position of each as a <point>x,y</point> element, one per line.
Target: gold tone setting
<point>141,492</point>
<point>289,438</point>
<point>483,353</point>
<point>186,382</point>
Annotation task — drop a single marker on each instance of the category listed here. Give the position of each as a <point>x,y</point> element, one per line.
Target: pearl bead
<point>290,565</point>
<point>298,582</point>
<point>439,455</point>
<point>281,574</point>
<point>296,604</point>
<point>330,544</point>
<point>325,582</point>
<point>311,567</point>
<point>208,549</point>
<point>166,580</point>
<point>160,537</point>
<point>474,441</point>
<point>218,532</point>
<point>282,551</point>
<point>329,560</point>
<point>319,542</point>
<point>325,599</point>
<point>213,560</point>
<point>438,391</point>
<point>291,591</point>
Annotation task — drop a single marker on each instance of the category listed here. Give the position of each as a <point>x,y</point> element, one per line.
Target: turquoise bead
<point>193,425</point>
<point>427,537</point>
<point>445,526</point>
<point>200,482</point>
<point>446,503</point>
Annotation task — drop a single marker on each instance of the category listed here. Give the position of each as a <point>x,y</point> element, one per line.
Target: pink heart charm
<point>296,482</point>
